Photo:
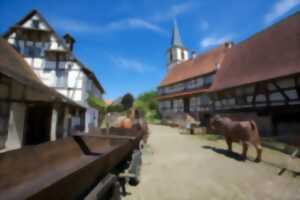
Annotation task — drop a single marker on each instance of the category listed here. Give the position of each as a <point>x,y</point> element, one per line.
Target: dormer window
<point>35,24</point>
<point>70,65</point>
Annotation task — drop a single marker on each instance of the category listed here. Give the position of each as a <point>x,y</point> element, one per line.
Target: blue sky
<point>125,41</point>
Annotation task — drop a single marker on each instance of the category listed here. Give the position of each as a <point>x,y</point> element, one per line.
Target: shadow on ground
<point>225,152</point>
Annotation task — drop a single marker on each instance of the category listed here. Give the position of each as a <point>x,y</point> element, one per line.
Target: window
<point>69,66</point>
<point>200,82</point>
<point>182,55</point>
<point>178,105</point>
<point>35,23</point>
<point>204,100</point>
<point>61,78</point>
<point>208,80</point>
<point>241,100</point>
<point>32,51</point>
<point>165,105</point>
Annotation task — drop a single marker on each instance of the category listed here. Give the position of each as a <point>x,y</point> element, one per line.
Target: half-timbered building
<point>52,59</point>
<point>260,79</point>
<point>184,88</point>
<point>30,112</point>
<point>256,79</point>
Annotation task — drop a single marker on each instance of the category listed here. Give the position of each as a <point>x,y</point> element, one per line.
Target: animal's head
<point>216,123</point>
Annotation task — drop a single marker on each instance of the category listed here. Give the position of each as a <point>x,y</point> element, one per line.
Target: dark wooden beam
<point>296,79</point>
<point>12,100</point>
<point>287,99</point>
<point>254,95</point>
<point>267,94</point>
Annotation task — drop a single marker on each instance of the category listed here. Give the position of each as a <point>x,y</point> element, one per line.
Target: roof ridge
<point>267,28</point>
<point>200,55</point>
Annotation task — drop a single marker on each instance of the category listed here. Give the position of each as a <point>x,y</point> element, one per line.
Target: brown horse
<point>245,132</point>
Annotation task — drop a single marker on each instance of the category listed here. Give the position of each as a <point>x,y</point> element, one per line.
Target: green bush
<point>148,104</point>
<point>99,104</point>
<point>115,108</point>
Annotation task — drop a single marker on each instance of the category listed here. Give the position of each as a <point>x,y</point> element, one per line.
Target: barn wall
<point>264,122</point>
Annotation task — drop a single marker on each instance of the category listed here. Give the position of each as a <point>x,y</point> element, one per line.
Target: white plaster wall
<point>16,126</point>
<point>63,92</point>
<point>91,116</point>
<point>28,23</point>
<point>55,45</point>
<point>75,95</point>
<point>75,79</point>
<point>54,120</point>
<point>76,66</point>
<point>39,63</point>
<point>178,54</point>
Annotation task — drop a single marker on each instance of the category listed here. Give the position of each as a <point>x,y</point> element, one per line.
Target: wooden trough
<point>65,169</point>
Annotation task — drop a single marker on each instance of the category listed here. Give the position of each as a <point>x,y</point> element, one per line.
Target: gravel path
<point>184,167</point>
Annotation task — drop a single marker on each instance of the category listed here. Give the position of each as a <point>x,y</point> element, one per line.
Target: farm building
<point>54,63</point>
<point>256,79</point>
<point>30,112</point>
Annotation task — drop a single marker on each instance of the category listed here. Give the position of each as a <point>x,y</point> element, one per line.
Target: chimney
<point>217,66</point>
<point>194,54</point>
<point>69,40</point>
<point>228,44</point>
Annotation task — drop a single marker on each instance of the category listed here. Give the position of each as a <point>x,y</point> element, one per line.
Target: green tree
<point>148,104</point>
<point>127,101</point>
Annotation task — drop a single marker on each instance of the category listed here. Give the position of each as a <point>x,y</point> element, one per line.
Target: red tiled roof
<point>183,94</point>
<point>202,64</point>
<point>108,102</point>
<point>272,53</point>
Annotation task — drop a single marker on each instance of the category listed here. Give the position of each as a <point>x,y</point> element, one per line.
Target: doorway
<point>186,105</point>
<point>37,124</point>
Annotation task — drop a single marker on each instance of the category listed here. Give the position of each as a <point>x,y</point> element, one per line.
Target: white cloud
<point>211,41</point>
<point>280,8</point>
<point>131,64</point>
<point>121,25</point>
<point>74,26</point>
<point>174,11</point>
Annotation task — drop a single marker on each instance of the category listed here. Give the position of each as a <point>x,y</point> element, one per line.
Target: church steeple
<point>176,39</point>
<point>177,53</point>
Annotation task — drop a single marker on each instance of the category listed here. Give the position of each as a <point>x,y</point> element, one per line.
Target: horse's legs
<point>259,152</point>
<point>229,143</point>
<point>245,149</point>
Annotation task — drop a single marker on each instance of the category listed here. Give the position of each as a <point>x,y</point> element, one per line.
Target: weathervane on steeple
<point>177,53</point>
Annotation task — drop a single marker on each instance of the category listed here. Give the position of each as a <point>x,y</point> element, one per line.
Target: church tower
<point>177,53</point>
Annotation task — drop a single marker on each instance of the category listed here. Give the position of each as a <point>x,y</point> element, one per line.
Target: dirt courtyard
<point>177,166</point>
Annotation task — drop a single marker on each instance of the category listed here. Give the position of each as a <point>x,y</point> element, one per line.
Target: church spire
<point>177,53</point>
<point>176,39</point>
